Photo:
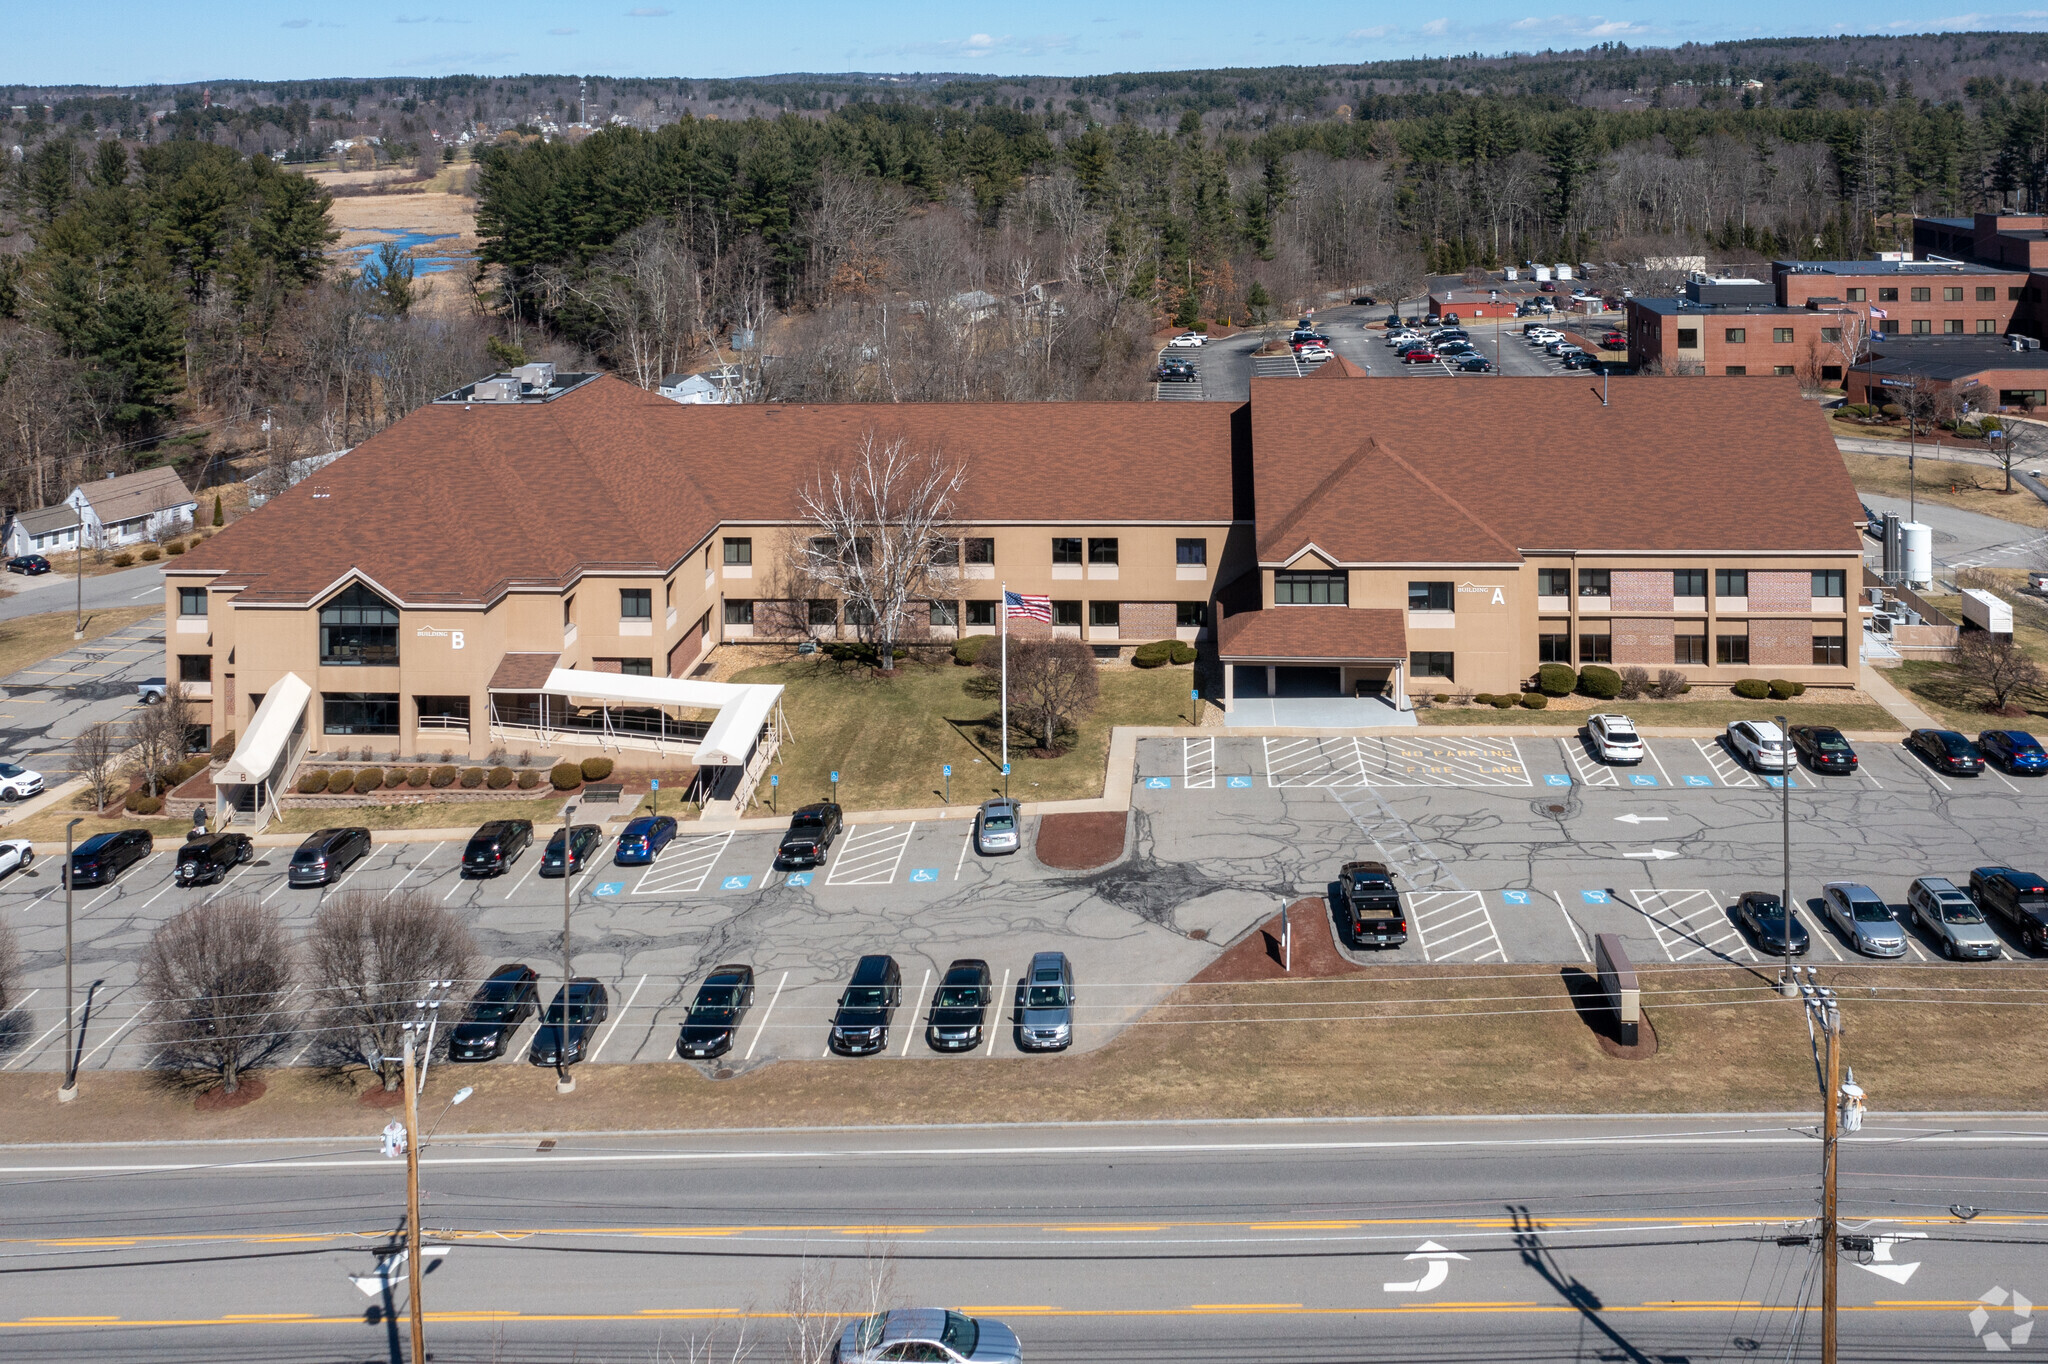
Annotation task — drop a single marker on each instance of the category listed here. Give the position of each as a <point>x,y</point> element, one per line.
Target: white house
<point>718,386</point>
<point>45,530</point>
<point>127,509</point>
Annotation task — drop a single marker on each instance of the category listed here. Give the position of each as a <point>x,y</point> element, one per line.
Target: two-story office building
<point>549,567</point>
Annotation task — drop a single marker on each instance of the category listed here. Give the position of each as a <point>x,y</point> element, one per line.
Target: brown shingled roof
<point>1337,367</point>
<point>523,672</point>
<point>1313,632</point>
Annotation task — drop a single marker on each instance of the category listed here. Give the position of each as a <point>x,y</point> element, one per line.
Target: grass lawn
<point>1977,487</point>
<point>1863,715</point>
<point>887,738</point>
<point>27,640</point>
<point>1941,688</point>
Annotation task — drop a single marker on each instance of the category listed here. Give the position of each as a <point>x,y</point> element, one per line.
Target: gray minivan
<point>1045,1004</point>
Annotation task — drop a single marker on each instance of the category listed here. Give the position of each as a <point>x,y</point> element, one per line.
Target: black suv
<point>811,831</point>
<point>563,1033</point>
<point>209,857</point>
<point>495,1013</point>
<point>861,1027</point>
<point>496,846</point>
<point>714,1018</point>
<point>583,841</point>
<point>2018,897</point>
<point>326,854</point>
<point>103,857</point>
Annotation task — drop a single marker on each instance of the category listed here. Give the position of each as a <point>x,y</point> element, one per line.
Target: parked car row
<point>1759,744</point>
<point>958,1019</point>
<point>1957,920</point>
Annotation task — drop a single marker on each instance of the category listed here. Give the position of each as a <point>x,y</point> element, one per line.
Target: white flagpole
<point>1003,643</point>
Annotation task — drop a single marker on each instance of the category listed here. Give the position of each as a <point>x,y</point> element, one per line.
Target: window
<point>1736,369</point>
<point>1101,551</point>
<point>1596,648</point>
<point>1191,551</point>
<point>739,612</point>
<point>1554,647</point>
<point>1595,582</point>
<point>1987,326</point>
<point>1688,338</point>
<point>1783,371</point>
<point>1066,613</point>
<point>191,601</point>
<point>981,613</point>
<point>359,628</point>
<point>980,549</point>
<point>668,594</point>
<point>1923,326</point>
<point>1689,649</point>
<point>1735,336</point>
<point>1731,649</point>
<point>1828,582</point>
<point>945,613</point>
<point>1831,374</point>
<point>1310,589</point>
<point>637,603</point>
<point>1952,294</point>
<point>442,712</point>
<point>1103,613</point>
<point>569,609</point>
<point>1553,582</point>
<point>1066,550</point>
<point>2023,397</point>
<point>2014,293</point>
<point>859,615</point>
<point>1830,651</point>
<point>739,551</point>
<point>824,611</point>
<point>1435,664</point>
<point>195,667</point>
<point>1986,293</point>
<point>1831,335</point>
<point>1889,326</point>
<point>1689,582</point>
<point>1922,294</point>
<point>1190,615</point>
<point>1781,336</point>
<point>1858,295</point>
<point>1952,327</point>
<point>359,712</point>
<point>945,552</point>
<point>1731,582</point>
<point>1430,596</point>
<point>1887,295</point>
<point>636,667</point>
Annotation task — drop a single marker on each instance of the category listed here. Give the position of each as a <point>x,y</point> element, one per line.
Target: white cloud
<point>1368,34</point>
<point>1436,28</point>
<point>981,46</point>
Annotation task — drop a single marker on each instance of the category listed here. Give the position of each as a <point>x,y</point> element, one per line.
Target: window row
<point>826,613</point>
<point>1066,549</point>
<point>1685,582</point>
<point>375,713</point>
<point>1829,651</point>
<point>1950,293</point>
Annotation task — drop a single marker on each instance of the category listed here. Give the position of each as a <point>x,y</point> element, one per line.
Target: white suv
<point>1760,744</point>
<point>1614,739</point>
<point>18,783</point>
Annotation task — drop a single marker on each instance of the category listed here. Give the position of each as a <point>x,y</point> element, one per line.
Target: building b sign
<point>454,636</point>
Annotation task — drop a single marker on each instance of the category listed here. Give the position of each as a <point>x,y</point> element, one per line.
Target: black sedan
<point>103,857</point>
<point>959,1008</point>
<point>1475,364</point>
<point>1823,748</point>
<point>1946,751</point>
<point>32,564</point>
<point>563,1036</point>
<point>495,1012</point>
<point>714,1018</point>
<point>1763,914</point>
<point>583,842</point>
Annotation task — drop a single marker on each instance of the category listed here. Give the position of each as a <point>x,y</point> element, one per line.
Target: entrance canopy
<point>1313,634</point>
<point>743,707</point>
<point>270,729</point>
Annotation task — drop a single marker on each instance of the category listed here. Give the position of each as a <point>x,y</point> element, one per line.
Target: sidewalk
<point>1892,699</point>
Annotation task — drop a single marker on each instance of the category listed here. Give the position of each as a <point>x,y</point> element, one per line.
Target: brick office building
<point>1909,298</point>
<point>1987,372</point>
<point>1736,327</point>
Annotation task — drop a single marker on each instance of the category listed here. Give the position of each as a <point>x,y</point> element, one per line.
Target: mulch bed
<point>248,1090</point>
<point>1256,956</point>
<point>1081,842</point>
<point>376,1096</point>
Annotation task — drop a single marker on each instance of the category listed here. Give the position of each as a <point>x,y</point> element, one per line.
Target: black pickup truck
<point>1369,907</point>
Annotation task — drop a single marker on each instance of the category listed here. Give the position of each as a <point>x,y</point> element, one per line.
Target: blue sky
<point>137,41</point>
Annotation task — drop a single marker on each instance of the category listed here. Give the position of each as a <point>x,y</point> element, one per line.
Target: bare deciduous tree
<point>2007,447</point>
<point>1053,684</point>
<point>95,756</point>
<point>375,958</point>
<point>1998,665</point>
<point>157,738</point>
<point>219,978</point>
<point>882,534</point>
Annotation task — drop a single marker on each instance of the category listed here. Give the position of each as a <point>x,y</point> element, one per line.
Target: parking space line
<point>968,842</point>
<point>620,1018</point>
<point>1587,771</point>
<point>1723,766</point>
<point>685,855</point>
<point>762,1026</point>
<point>531,867</point>
<point>910,1030</point>
<point>1651,749</point>
<point>874,844</point>
<point>1864,773</point>
<point>996,1007</point>
<point>1578,939</point>
<point>2002,777</point>
<point>1691,916</point>
<point>141,1011</point>
<point>413,868</point>
<point>31,1048</point>
<point>361,862</point>
<point>1436,915</point>
<point>1314,761</point>
<point>1198,764</point>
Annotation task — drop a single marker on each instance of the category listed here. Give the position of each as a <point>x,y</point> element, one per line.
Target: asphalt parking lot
<point>42,708</point>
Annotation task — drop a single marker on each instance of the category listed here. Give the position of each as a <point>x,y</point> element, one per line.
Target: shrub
<point>150,554</point>
<point>368,780</point>
<point>141,804</point>
<point>1799,689</point>
<point>860,651</point>
<point>394,777</point>
<point>1556,679</point>
<point>1534,700</point>
<point>1670,683</point>
<point>529,779</point>
<point>174,547</point>
<point>123,559</point>
<point>967,649</point>
<point>185,770</point>
<point>312,783</point>
<point>340,780</point>
<point>566,776</point>
<point>472,777</point>
<point>1441,697</point>
<point>1892,410</point>
<point>224,747</point>
<point>1602,684</point>
<point>596,769</point>
<point>500,778</point>
<point>417,777</point>
<point>1752,689</point>
<point>442,778</point>
<point>1634,682</point>
<point>1781,690</point>
<point>1506,702</point>
<point>1153,655</point>
<point>1482,698</point>
<point>1183,652</point>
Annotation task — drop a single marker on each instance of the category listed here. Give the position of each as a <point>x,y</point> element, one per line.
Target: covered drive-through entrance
<point>1326,667</point>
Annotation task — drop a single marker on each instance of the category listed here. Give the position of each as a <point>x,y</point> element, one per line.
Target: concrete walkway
<point>1892,699</point>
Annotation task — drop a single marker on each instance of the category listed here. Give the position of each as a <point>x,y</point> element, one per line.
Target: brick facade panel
<point>1643,643</point>
<point>1145,620</point>
<point>1775,591</point>
<point>1640,590</point>
<point>1779,643</point>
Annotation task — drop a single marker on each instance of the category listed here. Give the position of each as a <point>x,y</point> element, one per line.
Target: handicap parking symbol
<point>1593,897</point>
<point>1641,779</point>
<point>1515,897</point>
<point>799,878</point>
<point>1158,783</point>
<point>1556,779</point>
<point>609,888</point>
<point>1239,783</point>
<point>925,874</point>
<point>1699,781</point>
<point>736,883</point>
<point>1776,783</point>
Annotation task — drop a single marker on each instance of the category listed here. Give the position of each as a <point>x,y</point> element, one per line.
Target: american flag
<point>1879,312</point>
<point>1023,605</point>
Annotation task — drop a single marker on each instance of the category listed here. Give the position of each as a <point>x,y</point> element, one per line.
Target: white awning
<point>743,707</point>
<point>270,729</point>
<point>732,735</point>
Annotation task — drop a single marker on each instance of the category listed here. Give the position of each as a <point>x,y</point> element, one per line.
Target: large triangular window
<point>358,628</point>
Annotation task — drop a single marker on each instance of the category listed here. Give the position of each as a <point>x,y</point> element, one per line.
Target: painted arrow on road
<point>1881,1254</point>
<point>1654,854</point>
<point>1433,1275</point>
<point>1642,819</point>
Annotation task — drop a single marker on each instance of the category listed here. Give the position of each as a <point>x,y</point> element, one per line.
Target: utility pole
<point>1788,982</point>
<point>1831,1023</point>
<point>69,1090</point>
<point>564,1083</point>
<point>412,1206</point>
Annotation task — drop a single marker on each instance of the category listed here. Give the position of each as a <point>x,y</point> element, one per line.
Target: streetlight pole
<point>1788,984</point>
<point>564,1082</point>
<point>78,581</point>
<point>69,1091</point>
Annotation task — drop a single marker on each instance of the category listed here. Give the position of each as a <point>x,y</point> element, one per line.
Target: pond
<point>363,256</point>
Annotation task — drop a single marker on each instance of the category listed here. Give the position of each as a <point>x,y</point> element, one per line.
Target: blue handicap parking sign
<point>1641,779</point>
<point>1515,897</point>
<point>609,888</point>
<point>948,769</point>
<point>1239,783</point>
<point>1556,779</point>
<point>736,883</point>
<point>1698,781</point>
<point>799,878</point>
<point>1158,783</point>
<point>925,874</point>
<point>1593,897</point>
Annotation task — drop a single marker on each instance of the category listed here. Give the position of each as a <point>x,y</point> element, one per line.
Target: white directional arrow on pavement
<point>1642,819</point>
<point>390,1270</point>
<point>1654,854</point>
<point>1881,1254</point>
<point>1433,1275</point>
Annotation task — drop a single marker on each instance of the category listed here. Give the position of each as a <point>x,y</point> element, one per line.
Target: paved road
<point>1513,848</point>
<point>55,592</point>
<point>42,708</point>
<point>1964,539</point>
<point>1634,1240</point>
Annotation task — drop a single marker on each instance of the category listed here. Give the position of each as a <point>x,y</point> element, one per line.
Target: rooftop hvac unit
<point>1880,624</point>
<point>496,391</point>
<point>540,376</point>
